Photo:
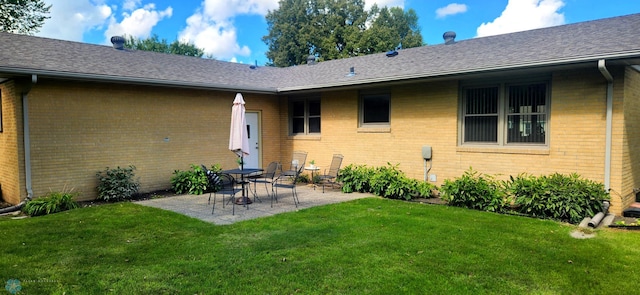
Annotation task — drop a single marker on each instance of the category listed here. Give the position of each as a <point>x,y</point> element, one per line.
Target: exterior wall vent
<point>449,37</point>
<point>118,42</point>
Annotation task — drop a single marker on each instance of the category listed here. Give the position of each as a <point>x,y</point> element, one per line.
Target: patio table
<point>243,172</point>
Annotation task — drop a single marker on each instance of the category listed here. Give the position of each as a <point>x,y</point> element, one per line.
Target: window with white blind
<point>304,116</point>
<point>505,114</point>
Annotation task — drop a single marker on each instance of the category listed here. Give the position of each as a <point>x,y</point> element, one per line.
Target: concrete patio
<point>196,205</point>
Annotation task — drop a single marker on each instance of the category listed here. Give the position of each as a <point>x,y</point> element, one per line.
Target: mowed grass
<point>367,246</point>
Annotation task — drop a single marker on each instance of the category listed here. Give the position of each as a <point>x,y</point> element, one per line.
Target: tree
<point>290,37</point>
<point>23,16</point>
<point>332,29</point>
<point>391,28</point>
<point>153,43</point>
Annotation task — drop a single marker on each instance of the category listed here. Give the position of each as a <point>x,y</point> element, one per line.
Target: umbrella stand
<point>238,139</point>
<point>244,200</point>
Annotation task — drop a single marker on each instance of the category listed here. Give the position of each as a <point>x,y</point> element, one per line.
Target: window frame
<point>306,100</point>
<point>503,112</point>
<point>361,108</point>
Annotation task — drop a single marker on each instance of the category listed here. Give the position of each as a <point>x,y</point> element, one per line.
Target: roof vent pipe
<point>449,37</point>
<point>352,72</point>
<point>311,59</point>
<point>118,42</point>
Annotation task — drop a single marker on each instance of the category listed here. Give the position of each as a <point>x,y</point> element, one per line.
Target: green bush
<point>355,178</point>
<point>475,191</point>
<point>117,184</point>
<point>561,197</point>
<point>192,181</point>
<point>386,181</point>
<point>51,203</point>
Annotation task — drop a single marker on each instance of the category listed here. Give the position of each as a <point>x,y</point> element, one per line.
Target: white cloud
<point>71,19</point>
<point>521,15</point>
<point>223,10</point>
<point>218,39</point>
<point>451,9</point>
<point>131,4</point>
<point>383,3</point>
<point>212,28</point>
<point>138,23</point>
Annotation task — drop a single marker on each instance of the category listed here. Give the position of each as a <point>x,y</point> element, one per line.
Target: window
<point>375,109</point>
<point>505,114</point>
<point>305,115</point>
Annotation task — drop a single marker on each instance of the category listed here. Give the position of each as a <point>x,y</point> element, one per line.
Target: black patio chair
<point>227,186</point>
<point>287,181</point>
<point>267,178</point>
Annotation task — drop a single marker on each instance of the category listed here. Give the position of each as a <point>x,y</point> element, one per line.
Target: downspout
<point>27,148</point>
<point>609,119</point>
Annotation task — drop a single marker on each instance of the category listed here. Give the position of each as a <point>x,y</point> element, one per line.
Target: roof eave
<point>458,73</point>
<point>133,80</point>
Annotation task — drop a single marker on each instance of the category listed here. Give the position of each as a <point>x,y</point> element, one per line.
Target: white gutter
<point>136,80</point>
<point>27,148</point>
<point>27,138</point>
<point>607,153</point>
<point>440,74</point>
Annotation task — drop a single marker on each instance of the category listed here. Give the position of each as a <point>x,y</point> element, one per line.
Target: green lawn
<point>367,246</point>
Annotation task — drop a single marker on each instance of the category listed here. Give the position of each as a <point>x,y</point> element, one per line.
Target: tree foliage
<point>154,43</point>
<point>23,16</point>
<point>333,29</point>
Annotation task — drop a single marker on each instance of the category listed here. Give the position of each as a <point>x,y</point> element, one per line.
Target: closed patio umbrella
<point>238,137</point>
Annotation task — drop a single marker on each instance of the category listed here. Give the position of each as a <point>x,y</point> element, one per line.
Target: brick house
<point>560,99</point>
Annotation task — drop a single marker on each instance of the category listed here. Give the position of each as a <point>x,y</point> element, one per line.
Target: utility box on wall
<point>426,152</point>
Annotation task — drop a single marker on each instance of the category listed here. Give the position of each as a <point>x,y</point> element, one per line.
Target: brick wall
<point>11,180</point>
<point>631,141</point>
<point>78,129</point>
<point>427,114</point>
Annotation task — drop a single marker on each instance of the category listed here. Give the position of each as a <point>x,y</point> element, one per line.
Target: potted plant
<point>312,164</point>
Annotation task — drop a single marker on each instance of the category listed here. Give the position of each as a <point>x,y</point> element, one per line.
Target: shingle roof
<point>612,38</point>
<point>581,42</point>
<point>50,57</point>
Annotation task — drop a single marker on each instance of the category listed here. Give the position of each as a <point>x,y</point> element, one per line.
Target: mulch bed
<point>138,197</point>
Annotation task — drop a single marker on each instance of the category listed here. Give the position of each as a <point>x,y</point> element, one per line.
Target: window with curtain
<point>505,114</point>
<point>305,115</point>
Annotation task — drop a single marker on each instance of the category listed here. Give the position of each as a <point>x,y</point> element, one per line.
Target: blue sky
<point>232,30</point>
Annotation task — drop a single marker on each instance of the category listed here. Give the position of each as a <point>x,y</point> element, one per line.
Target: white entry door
<point>253,159</point>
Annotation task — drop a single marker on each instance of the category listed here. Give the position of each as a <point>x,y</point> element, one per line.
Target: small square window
<point>375,109</point>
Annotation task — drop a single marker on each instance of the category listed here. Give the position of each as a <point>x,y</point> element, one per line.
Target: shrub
<point>355,178</point>
<point>475,191</point>
<point>303,178</point>
<point>51,203</point>
<point>192,181</point>
<point>117,184</point>
<point>386,181</point>
<point>561,197</point>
